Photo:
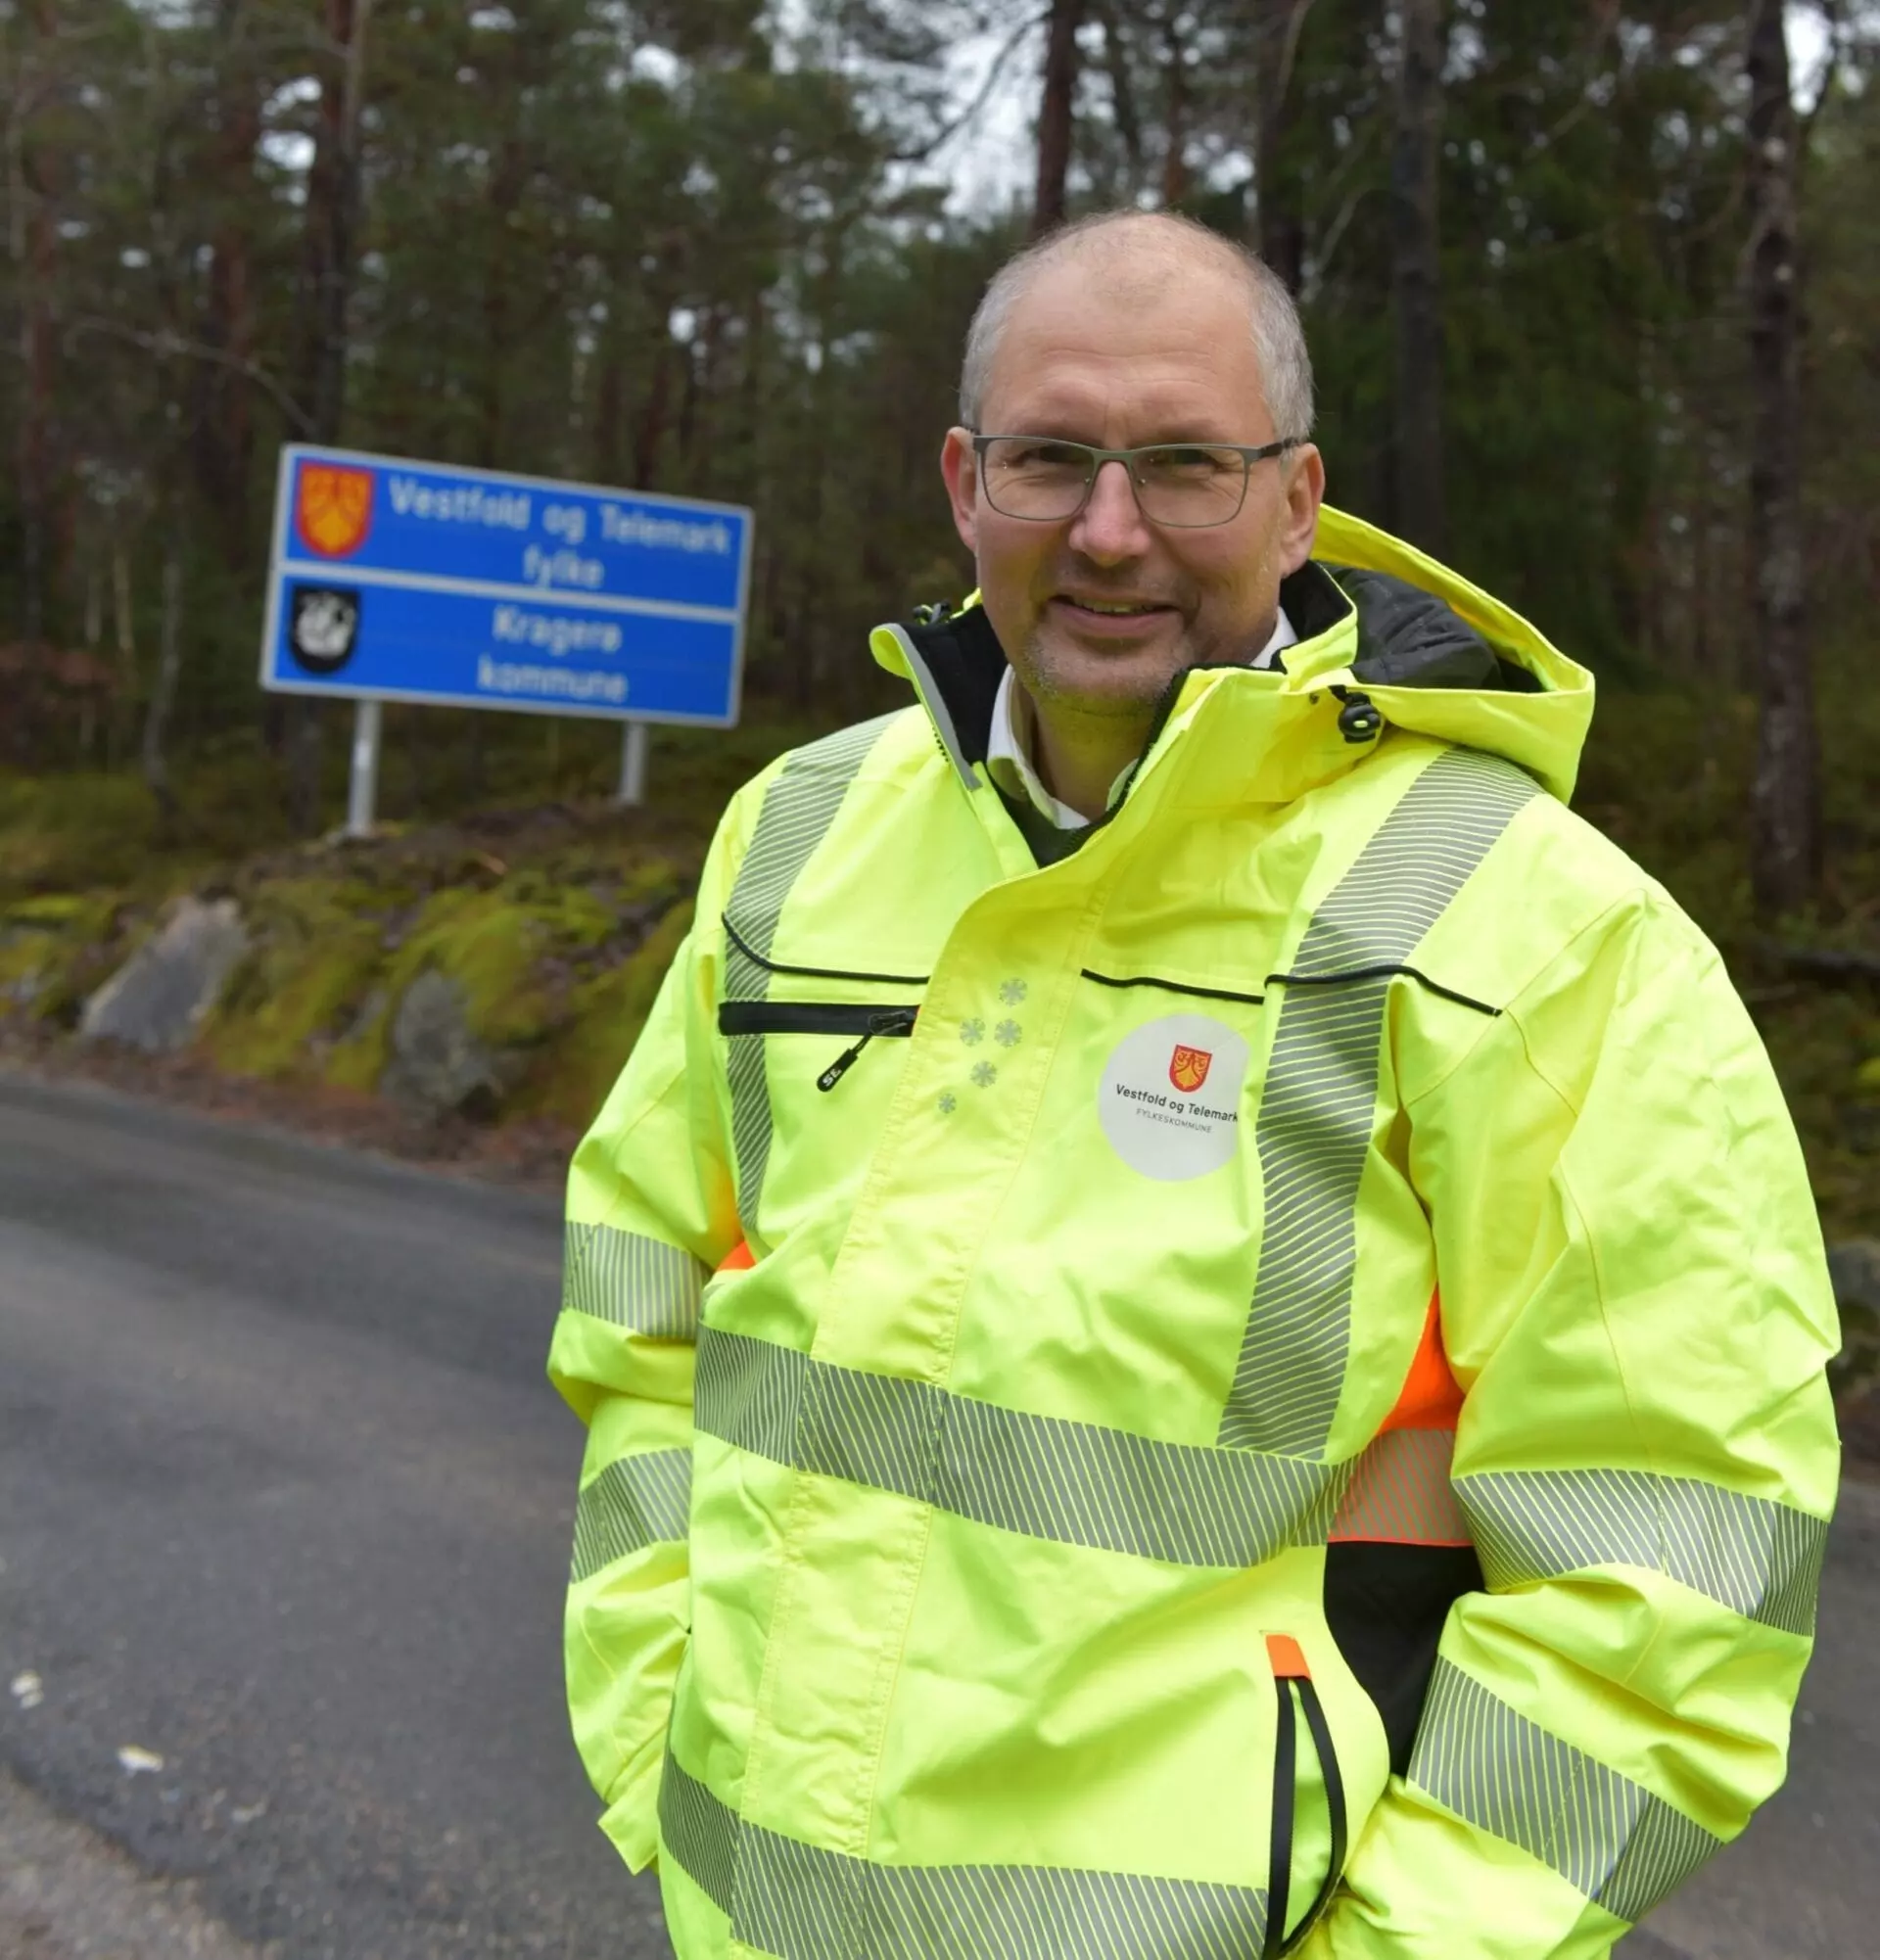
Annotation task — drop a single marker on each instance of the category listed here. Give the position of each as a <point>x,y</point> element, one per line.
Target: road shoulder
<point>66,1893</point>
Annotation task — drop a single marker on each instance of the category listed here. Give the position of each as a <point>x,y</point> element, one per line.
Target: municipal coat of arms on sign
<point>322,627</point>
<point>333,510</point>
<point>1188,1068</point>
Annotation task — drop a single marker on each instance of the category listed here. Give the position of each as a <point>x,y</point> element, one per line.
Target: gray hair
<point>1279,341</point>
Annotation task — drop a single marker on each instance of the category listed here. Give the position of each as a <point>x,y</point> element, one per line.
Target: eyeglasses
<point>1183,483</point>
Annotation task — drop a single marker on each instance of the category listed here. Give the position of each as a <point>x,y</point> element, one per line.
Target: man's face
<point>1119,352</point>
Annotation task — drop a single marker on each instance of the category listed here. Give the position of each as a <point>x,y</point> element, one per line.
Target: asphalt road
<point>284,1503</point>
<point>285,1500</point>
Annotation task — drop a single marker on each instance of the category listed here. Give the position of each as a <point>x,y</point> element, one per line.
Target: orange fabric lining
<point>1287,1658</point>
<point>739,1259</point>
<point>1431,1398</point>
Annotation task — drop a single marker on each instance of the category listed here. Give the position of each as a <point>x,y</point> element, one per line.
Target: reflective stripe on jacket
<point>1273,1363</point>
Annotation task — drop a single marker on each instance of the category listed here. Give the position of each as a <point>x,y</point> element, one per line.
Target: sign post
<point>633,738</point>
<point>394,580</point>
<point>363,789</point>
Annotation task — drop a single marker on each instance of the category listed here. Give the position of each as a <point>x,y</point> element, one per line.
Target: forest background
<point>1593,288</point>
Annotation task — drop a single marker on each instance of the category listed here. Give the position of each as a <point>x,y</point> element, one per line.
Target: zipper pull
<point>841,1065</point>
<point>895,1021</point>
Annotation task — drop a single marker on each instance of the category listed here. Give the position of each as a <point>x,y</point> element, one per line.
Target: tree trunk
<point>32,187</point>
<point>650,426</point>
<point>1057,115</point>
<point>332,215</point>
<point>224,434</point>
<point>505,193</point>
<point>609,407</point>
<point>1280,234</point>
<point>170,661</point>
<point>1122,94</point>
<point>332,212</point>
<point>1175,177</point>
<point>1785,810</point>
<point>125,633</point>
<point>1417,277</point>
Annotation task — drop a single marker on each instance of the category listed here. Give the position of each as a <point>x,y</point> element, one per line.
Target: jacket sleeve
<point>650,1213</point>
<point>1635,1302</point>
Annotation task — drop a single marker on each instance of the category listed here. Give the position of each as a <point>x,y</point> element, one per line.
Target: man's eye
<point>1185,459</point>
<point>1045,456</point>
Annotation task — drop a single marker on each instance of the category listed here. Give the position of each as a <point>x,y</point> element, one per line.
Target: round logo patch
<point>1170,1099</point>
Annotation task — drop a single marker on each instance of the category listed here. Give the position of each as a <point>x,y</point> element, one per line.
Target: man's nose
<point>1110,526</point>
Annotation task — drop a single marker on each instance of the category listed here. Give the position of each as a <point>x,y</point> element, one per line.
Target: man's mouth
<point>1118,609</point>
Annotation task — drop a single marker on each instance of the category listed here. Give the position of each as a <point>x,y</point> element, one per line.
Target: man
<point>1200,1324</point>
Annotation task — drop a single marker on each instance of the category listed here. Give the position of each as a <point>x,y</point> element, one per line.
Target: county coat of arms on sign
<point>323,626</point>
<point>333,511</point>
<point>1188,1068</point>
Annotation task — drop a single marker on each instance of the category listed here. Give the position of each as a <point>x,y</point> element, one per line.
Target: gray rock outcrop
<point>159,997</point>
<point>436,1061</point>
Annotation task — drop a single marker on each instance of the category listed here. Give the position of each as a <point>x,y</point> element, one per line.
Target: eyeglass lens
<point>1180,484</point>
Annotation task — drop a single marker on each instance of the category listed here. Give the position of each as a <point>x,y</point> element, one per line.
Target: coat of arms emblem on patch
<point>1188,1068</point>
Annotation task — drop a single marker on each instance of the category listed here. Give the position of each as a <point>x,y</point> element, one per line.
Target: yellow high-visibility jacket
<point>1259,1388</point>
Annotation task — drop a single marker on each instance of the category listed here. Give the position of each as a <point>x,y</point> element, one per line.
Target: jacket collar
<point>1432,651</point>
<point>957,662</point>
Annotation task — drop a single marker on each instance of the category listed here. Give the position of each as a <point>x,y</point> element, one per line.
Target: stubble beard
<point>1057,678</point>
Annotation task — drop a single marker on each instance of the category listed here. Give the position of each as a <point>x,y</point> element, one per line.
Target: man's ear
<point>1304,492</point>
<point>960,468</point>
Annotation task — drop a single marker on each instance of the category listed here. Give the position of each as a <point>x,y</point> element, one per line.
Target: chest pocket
<point>792,1033</point>
<point>863,1021</point>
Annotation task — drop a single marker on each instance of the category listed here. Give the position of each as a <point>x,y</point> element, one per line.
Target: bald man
<point>1201,1323</point>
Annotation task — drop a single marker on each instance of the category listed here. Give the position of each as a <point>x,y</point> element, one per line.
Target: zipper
<point>818,1018</point>
<point>1293,1676</point>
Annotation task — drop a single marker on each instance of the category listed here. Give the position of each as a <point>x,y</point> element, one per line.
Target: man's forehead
<point>1168,334</point>
<point>1129,267</point>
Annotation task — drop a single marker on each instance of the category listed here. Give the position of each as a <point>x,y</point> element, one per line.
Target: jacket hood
<point>1527,701</point>
<point>1434,653</point>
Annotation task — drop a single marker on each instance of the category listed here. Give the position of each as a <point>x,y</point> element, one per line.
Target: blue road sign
<point>420,581</point>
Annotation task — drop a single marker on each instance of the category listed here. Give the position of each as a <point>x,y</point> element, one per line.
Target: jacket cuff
<point>632,1820</point>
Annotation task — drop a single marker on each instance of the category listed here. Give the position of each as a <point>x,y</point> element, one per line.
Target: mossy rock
<point>25,961</point>
<point>511,949</point>
<point>284,1003</point>
<point>608,1013</point>
<point>55,949</point>
<point>317,948</point>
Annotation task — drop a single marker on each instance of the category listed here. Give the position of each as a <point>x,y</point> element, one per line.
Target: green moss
<point>25,959</point>
<point>63,833</point>
<point>61,910</point>
<point>276,1028</point>
<point>606,1015</point>
<point>54,950</point>
<point>316,945</point>
<point>517,951</point>
<point>356,1060</point>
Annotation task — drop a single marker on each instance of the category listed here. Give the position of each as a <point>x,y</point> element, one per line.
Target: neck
<point>1078,757</point>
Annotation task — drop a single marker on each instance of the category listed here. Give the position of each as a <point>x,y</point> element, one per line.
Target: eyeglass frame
<point>1248,456</point>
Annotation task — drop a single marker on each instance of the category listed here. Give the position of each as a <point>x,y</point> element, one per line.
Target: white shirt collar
<point>1008,746</point>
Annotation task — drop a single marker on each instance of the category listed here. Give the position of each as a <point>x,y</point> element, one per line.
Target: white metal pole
<point>362,793</point>
<point>633,763</point>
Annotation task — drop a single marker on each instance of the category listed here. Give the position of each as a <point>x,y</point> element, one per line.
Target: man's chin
<point>1108,679</point>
